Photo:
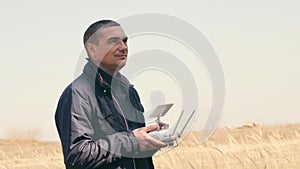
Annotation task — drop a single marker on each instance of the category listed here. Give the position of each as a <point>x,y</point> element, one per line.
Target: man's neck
<point>111,72</point>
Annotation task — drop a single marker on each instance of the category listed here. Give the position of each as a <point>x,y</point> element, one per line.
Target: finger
<point>151,127</point>
<point>150,146</point>
<point>144,146</point>
<point>155,142</point>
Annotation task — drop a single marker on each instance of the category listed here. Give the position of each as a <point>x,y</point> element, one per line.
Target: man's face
<point>110,53</point>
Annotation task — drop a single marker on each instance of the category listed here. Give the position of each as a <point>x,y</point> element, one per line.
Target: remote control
<point>164,137</point>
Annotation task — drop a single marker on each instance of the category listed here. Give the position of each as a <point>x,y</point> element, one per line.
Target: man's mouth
<point>121,56</point>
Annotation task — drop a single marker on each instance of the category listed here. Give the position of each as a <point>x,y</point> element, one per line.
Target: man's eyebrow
<point>113,39</point>
<point>117,38</point>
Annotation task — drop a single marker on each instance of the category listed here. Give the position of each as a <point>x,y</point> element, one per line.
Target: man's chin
<point>121,65</point>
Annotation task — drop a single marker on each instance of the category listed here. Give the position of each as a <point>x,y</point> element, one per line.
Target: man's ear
<point>91,50</point>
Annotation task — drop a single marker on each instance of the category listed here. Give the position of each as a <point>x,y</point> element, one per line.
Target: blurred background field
<point>248,146</point>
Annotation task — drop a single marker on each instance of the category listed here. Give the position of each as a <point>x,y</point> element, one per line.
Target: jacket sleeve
<point>74,123</point>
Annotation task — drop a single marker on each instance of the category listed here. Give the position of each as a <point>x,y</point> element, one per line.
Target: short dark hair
<point>93,28</point>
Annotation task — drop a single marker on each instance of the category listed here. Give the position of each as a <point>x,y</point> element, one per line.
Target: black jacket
<point>90,119</point>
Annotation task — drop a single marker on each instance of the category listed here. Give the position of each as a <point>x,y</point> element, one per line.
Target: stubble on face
<point>111,50</point>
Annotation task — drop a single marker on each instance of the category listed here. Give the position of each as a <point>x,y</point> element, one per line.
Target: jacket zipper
<point>119,107</point>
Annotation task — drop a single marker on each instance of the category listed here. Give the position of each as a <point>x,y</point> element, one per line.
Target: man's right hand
<point>146,142</point>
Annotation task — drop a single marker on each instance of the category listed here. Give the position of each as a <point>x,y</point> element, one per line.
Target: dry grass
<point>20,134</point>
<point>257,147</point>
<point>26,154</point>
<point>261,147</point>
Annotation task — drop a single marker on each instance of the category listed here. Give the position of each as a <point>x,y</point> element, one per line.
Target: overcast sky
<point>257,43</point>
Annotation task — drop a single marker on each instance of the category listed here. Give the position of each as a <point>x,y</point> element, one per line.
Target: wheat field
<point>249,146</point>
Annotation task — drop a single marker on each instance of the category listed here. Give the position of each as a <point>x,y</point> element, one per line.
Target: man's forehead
<point>112,31</point>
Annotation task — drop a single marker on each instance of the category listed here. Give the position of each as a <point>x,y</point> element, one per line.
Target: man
<point>99,116</point>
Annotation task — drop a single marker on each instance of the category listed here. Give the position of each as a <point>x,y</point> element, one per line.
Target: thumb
<point>151,127</point>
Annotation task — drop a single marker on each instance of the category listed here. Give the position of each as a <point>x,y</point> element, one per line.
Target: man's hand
<point>146,142</point>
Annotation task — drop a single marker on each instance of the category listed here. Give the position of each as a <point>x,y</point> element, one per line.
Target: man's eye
<point>113,40</point>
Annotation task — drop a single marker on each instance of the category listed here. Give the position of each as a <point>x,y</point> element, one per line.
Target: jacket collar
<point>102,78</point>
